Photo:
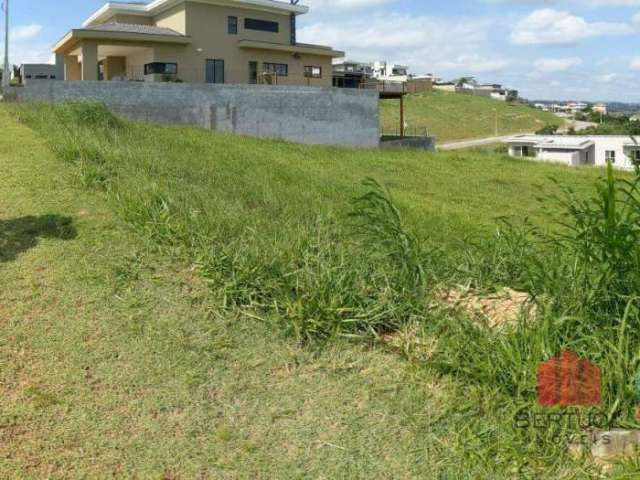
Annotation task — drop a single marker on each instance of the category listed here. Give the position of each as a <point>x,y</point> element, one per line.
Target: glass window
<point>253,73</point>
<point>312,72</point>
<point>161,68</point>
<point>232,27</point>
<point>280,69</point>
<point>610,156</point>
<point>261,25</point>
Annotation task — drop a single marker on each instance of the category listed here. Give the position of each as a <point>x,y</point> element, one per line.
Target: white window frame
<point>610,156</point>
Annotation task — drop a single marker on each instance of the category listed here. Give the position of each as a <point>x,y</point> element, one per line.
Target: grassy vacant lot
<point>177,304</point>
<point>451,116</point>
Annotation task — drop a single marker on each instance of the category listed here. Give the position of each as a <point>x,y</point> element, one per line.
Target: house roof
<point>553,141</point>
<point>309,49</point>
<point>131,28</point>
<point>121,32</point>
<point>157,6</point>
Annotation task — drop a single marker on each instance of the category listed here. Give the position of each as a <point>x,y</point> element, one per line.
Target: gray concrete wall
<point>308,115</point>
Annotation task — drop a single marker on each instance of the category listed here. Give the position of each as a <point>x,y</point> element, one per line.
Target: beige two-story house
<point>213,41</point>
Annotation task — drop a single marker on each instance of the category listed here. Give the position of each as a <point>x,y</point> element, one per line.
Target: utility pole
<point>6,75</point>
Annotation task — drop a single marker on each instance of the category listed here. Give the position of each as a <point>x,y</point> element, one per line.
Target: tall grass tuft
<point>378,223</point>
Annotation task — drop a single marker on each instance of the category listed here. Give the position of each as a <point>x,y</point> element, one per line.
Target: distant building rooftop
<point>553,141</point>
<point>574,142</point>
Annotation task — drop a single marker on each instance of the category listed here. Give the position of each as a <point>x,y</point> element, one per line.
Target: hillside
<point>451,116</point>
<point>182,304</point>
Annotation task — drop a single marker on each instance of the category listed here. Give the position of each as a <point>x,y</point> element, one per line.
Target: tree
<point>548,130</point>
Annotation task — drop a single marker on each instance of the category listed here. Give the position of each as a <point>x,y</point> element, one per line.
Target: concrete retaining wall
<point>308,115</point>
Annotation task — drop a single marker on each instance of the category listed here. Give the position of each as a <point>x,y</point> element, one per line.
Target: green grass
<point>115,361</point>
<point>451,116</point>
<point>179,303</point>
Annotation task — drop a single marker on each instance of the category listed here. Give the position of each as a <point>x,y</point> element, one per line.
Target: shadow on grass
<point>17,235</point>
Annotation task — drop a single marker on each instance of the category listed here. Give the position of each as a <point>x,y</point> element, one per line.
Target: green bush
<point>548,130</point>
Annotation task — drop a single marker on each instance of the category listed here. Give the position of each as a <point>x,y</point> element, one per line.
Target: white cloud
<point>549,26</point>
<point>582,3</point>
<point>473,63</point>
<point>25,32</point>
<point>26,47</point>
<point>446,46</point>
<point>606,78</point>
<point>636,18</point>
<point>555,65</point>
<point>635,64</point>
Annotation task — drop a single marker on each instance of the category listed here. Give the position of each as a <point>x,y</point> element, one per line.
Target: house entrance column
<point>72,70</point>
<point>89,61</point>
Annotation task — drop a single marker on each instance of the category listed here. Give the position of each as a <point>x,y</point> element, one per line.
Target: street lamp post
<point>6,75</point>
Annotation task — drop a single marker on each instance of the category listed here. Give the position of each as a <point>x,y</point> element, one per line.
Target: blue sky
<point>548,49</point>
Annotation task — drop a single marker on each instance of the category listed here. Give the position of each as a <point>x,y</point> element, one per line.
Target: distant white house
<point>426,76</point>
<point>40,71</point>
<point>623,151</point>
<point>496,91</point>
<point>444,86</point>
<point>570,108</point>
<point>390,72</point>
<point>600,108</point>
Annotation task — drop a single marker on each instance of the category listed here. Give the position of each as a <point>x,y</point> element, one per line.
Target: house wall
<point>115,67</point>
<point>329,116</point>
<point>131,19</point>
<point>615,144</point>
<point>136,62</point>
<point>207,25</point>
<point>175,18</point>
<point>34,70</point>
<point>72,69</point>
<point>571,157</point>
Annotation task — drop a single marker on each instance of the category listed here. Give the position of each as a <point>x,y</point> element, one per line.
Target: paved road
<point>477,142</point>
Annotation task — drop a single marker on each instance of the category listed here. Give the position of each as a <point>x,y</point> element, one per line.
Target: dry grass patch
<point>505,307</point>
